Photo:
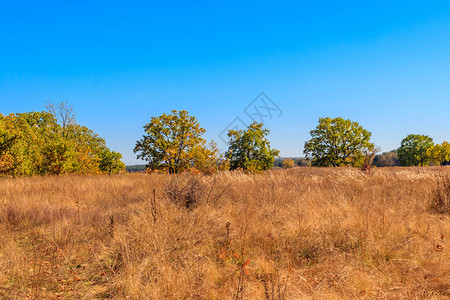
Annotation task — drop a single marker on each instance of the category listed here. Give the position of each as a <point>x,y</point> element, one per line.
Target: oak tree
<point>338,142</point>
<point>250,150</point>
<point>110,162</point>
<point>173,142</point>
<point>413,150</point>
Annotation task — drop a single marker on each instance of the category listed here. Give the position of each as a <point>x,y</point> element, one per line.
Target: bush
<point>184,190</point>
<point>288,163</point>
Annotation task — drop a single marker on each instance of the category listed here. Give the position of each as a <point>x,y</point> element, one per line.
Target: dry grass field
<point>303,233</point>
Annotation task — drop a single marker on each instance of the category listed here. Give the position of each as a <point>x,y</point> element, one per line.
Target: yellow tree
<point>288,163</point>
<point>8,137</point>
<point>173,142</point>
<point>206,159</point>
<point>439,153</point>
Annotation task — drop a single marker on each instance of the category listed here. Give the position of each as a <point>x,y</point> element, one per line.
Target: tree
<point>303,162</point>
<point>58,157</point>
<point>207,159</point>
<point>386,159</point>
<point>110,162</point>
<point>288,163</point>
<point>413,150</point>
<point>439,153</point>
<point>36,131</point>
<point>172,142</point>
<point>338,142</point>
<point>63,113</point>
<point>34,143</point>
<point>8,137</point>
<point>250,150</point>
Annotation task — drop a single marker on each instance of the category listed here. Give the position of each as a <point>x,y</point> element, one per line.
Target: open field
<point>304,233</point>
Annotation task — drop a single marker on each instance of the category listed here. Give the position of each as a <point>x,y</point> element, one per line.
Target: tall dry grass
<point>302,233</point>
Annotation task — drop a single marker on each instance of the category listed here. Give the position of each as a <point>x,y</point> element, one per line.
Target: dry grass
<point>302,233</point>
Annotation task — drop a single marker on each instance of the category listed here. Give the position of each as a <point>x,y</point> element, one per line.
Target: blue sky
<point>384,64</point>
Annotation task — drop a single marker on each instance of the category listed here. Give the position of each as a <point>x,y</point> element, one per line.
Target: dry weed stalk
<point>185,190</point>
<point>111,226</point>
<point>153,206</point>
<point>274,289</point>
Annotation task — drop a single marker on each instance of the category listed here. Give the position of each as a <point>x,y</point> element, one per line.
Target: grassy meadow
<point>301,233</point>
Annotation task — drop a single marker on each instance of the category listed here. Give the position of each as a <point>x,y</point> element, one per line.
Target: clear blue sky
<point>385,64</point>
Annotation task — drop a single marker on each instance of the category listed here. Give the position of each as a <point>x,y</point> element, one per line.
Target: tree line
<point>173,142</point>
<point>51,142</point>
<point>339,142</point>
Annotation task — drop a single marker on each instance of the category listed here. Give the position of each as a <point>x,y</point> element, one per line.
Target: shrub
<point>184,190</point>
<point>288,163</point>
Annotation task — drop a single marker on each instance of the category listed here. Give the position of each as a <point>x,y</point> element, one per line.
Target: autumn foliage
<point>174,143</point>
<point>37,143</point>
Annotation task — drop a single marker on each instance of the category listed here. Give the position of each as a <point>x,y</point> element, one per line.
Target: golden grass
<point>303,233</point>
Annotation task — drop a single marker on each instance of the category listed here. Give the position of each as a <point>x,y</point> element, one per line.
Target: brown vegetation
<point>302,233</point>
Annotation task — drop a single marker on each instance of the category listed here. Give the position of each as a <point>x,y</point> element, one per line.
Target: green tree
<point>250,150</point>
<point>37,130</point>
<point>338,142</point>
<point>172,142</point>
<point>439,153</point>
<point>35,143</point>
<point>413,150</point>
<point>110,162</point>
<point>58,157</point>
<point>75,149</point>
